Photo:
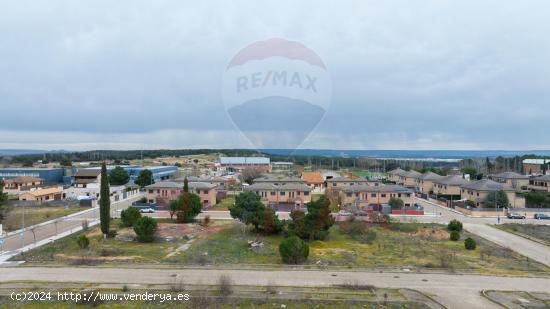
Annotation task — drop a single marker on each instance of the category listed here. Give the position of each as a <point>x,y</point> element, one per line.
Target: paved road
<point>531,249</point>
<point>454,291</point>
<point>217,215</point>
<point>60,225</point>
<point>481,227</point>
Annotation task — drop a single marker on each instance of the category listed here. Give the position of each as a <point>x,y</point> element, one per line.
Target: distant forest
<point>483,165</point>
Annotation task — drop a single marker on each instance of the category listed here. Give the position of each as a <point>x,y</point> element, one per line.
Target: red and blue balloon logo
<point>276,92</point>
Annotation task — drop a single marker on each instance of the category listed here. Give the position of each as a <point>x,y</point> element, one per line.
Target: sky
<point>465,75</point>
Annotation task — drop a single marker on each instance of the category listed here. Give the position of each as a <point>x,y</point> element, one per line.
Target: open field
<point>539,233</point>
<point>190,160</point>
<point>420,246</point>
<point>224,203</point>
<point>411,245</point>
<point>34,215</point>
<point>121,249</point>
<point>223,294</point>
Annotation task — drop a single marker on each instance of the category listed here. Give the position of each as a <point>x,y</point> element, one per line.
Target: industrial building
<point>48,175</point>
<point>160,173</point>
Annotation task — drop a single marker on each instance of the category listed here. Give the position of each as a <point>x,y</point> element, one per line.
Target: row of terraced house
<point>476,191</point>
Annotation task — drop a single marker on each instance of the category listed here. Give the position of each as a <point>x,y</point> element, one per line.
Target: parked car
<point>515,215</point>
<point>344,213</point>
<point>361,213</point>
<point>147,210</point>
<point>542,216</point>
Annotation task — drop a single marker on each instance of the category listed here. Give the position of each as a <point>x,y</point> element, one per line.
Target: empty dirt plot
<point>171,240</point>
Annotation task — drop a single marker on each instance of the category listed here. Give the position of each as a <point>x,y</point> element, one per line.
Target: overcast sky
<point>406,74</point>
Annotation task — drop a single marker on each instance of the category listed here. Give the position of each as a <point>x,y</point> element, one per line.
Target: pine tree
<point>104,201</point>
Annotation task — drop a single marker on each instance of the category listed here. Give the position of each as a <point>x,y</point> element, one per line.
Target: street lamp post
<point>23,228</point>
<point>496,208</point>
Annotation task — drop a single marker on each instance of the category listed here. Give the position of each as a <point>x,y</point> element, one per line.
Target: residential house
<point>42,195</point>
<point>514,180</point>
<point>410,179</point>
<point>87,184</point>
<point>535,166</point>
<point>360,195</point>
<point>396,174</point>
<point>162,193</point>
<point>334,185</point>
<point>21,183</point>
<point>278,179</point>
<point>272,194</point>
<point>478,191</point>
<point>540,183</point>
<point>85,177</point>
<point>315,181</point>
<point>449,185</point>
<point>425,183</point>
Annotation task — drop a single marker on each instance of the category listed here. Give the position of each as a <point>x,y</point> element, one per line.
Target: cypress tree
<point>185,185</point>
<point>104,201</point>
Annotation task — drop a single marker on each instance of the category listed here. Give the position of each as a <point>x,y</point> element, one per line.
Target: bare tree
<point>249,174</point>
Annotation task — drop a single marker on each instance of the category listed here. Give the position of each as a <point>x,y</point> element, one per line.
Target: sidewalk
<point>5,256</point>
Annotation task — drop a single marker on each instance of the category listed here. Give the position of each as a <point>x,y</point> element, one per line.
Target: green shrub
<point>83,241</point>
<point>469,244</point>
<point>129,216</point>
<point>454,225</point>
<point>455,235</point>
<point>145,228</point>
<point>293,250</point>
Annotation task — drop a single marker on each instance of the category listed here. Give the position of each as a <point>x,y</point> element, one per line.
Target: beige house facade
<point>514,180</point>
<point>297,194</point>
<point>362,196</point>
<point>478,191</point>
<point>449,185</point>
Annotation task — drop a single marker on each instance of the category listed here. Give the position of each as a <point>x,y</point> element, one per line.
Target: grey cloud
<point>430,71</point>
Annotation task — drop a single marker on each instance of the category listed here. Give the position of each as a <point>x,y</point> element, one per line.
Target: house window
<point>273,193</point>
<point>383,195</point>
<point>373,195</point>
<point>205,191</point>
<point>348,194</point>
<point>306,193</point>
<point>283,192</point>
